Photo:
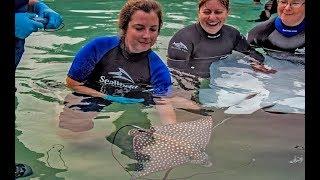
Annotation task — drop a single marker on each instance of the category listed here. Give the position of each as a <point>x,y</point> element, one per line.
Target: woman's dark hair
<point>134,5</point>
<point>225,3</point>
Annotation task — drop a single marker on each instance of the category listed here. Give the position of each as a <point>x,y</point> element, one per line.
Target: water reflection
<point>78,112</point>
<point>188,138</point>
<point>85,148</point>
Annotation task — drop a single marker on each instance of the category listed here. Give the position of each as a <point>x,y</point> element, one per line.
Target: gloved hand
<point>54,19</point>
<point>123,100</point>
<point>24,25</point>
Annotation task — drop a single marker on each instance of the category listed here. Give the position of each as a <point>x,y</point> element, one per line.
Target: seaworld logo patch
<point>179,46</point>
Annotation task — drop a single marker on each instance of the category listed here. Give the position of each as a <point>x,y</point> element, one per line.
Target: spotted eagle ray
<point>164,147</point>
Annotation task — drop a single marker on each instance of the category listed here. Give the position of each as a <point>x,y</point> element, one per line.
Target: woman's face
<point>142,31</point>
<point>291,12</point>
<point>212,16</point>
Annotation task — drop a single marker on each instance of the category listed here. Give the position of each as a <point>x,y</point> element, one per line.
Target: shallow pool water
<point>63,142</point>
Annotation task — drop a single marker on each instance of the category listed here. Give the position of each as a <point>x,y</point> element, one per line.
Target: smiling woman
<point>212,15</point>
<point>107,67</point>
<point>142,31</point>
<point>140,26</point>
<point>292,13</point>
<point>195,47</point>
<point>284,32</point>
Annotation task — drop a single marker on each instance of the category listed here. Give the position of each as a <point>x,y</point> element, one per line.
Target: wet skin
<point>142,31</point>
<point>212,15</point>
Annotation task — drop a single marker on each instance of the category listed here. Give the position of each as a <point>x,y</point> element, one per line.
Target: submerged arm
<point>81,88</point>
<point>244,47</point>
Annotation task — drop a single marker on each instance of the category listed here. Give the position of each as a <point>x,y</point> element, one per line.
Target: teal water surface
<point>258,146</point>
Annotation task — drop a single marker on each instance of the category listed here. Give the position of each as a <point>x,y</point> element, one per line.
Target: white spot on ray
<point>164,147</point>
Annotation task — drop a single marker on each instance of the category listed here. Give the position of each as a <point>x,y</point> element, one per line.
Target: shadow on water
<point>132,116</point>
<point>97,19</point>
<point>41,96</point>
<point>80,111</point>
<point>26,156</point>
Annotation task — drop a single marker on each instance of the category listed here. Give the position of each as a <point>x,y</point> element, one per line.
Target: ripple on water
<point>48,40</point>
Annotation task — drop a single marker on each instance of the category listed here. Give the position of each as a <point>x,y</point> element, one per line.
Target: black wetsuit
<point>265,35</point>
<point>124,76</point>
<point>104,65</point>
<point>192,49</point>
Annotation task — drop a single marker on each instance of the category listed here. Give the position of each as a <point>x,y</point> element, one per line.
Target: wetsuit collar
<point>132,56</point>
<point>206,34</point>
<point>288,31</point>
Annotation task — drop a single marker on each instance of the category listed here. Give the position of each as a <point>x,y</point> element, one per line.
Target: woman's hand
<point>259,67</point>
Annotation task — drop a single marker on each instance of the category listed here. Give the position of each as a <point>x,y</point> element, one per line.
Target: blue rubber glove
<point>123,100</point>
<point>24,25</point>
<point>54,19</point>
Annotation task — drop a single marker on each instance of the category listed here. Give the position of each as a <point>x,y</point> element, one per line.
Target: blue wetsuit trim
<point>160,76</point>
<point>288,31</point>
<point>88,56</point>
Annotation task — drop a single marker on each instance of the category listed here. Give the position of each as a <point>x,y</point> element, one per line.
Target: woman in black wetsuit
<point>193,48</point>
<point>286,32</point>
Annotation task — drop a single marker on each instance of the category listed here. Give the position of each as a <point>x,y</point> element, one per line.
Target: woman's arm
<point>81,88</point>
<point>243,46</point>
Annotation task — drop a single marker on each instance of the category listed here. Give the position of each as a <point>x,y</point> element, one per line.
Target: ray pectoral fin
<point>203,160</point>
<point>168,146</point>
<point>162,155</point>
<point>160,161</point>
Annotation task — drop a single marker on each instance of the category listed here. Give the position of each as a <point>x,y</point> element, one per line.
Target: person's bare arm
<point>80,88</point>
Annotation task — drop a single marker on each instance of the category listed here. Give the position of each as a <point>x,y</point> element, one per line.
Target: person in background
<point>193,48</point>
<point>269,8</point>
<point>25,11</point>
<point>285,32</point>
